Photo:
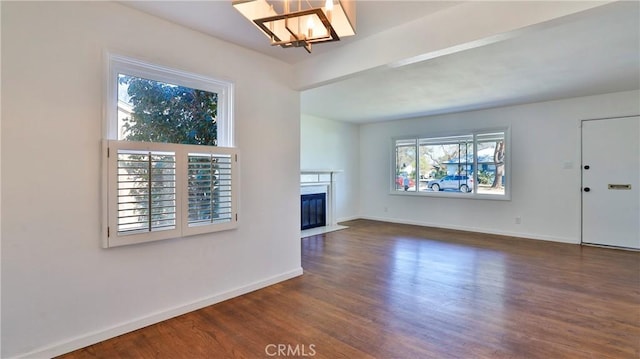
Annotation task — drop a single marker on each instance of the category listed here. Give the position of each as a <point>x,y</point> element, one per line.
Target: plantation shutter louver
<point>146,191</point>
<point>210,195</point>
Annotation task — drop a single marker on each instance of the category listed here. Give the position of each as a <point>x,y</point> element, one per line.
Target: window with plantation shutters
<point>163,190</point>
<point>169,164</point>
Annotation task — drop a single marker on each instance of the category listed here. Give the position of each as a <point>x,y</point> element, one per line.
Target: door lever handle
<point>587,189</point>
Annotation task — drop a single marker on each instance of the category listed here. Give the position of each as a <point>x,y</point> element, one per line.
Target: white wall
<point>334,145</point>
<point>0,194</point>
<point>60,289</point>
<point>544,138</point>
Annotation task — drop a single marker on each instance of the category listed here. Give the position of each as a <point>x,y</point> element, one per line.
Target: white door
<point>611,182</point>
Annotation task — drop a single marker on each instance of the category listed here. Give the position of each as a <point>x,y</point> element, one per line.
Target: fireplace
<point>318,213</point>
<point>313,210</point>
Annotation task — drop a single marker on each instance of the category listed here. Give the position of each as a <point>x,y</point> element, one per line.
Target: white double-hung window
<point>170,168</point>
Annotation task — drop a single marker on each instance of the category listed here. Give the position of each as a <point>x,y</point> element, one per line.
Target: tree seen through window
<point>162,112</point>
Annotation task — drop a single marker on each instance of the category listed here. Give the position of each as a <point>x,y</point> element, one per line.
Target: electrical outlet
<point>386,209</point>
<point>518,220</point>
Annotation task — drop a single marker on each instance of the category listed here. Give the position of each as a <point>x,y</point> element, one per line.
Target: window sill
<point>457,195</point>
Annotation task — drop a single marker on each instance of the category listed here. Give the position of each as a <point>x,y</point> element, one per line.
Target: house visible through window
<point>166,176</point>
<point>467,165</point>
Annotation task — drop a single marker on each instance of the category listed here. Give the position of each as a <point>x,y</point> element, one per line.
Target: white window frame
<point>117,64</point>
<point>473,195</point>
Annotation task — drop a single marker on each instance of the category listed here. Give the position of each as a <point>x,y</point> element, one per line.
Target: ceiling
<point>593,52</point>
<point>218,18</point>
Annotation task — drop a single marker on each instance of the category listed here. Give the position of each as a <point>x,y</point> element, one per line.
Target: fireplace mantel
<point>321,181</point>
<point>310,177</point>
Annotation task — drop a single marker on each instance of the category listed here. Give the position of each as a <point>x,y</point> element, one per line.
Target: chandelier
<point>302,23</point>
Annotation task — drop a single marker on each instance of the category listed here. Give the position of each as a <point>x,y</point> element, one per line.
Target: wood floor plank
<point>381,290</point>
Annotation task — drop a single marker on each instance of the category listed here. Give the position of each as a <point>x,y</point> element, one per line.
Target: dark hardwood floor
<point>380,290</point>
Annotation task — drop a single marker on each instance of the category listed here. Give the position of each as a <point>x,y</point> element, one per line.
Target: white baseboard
<point>141,322</point>
<point>478,230</point>
<point>348,218</point>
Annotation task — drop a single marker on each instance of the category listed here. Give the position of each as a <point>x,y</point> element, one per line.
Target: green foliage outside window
<point>168,113</point>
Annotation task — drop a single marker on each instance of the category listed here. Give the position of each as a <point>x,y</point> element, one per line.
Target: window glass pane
<point>447,166</point>
<point>405,177</point>
<point>154,111</point>
<point>491,164</point>
<point>427,167</point>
